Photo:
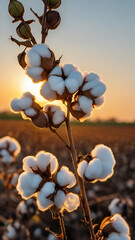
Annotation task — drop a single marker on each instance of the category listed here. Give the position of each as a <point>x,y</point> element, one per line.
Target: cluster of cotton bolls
<point>89,95</point>
<point>50,115</point>
<point>26,209</point>
<point>65,82</point>
<point>42,178</point>
<point>123,206</point>
<point>100,167</point>
<point>40,61</point>
<point>114,228</point>
<point>9,149</point>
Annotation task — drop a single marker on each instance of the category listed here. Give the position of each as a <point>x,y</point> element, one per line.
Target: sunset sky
<point>96,35</point>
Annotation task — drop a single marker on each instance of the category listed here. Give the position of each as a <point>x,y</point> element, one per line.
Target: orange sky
<point>99,39</point>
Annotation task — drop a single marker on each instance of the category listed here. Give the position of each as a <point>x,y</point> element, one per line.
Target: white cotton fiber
<point>58,117</point>
<point>92,77</point>
<point>51,237</point>
<point>71,84</point>
<point>98,90</point>
<point>7,159</point>
<point>94,169</point>
<point>25,102</point>
<point>82,168</point>
<point>98,101</point>
<point>85,104</point>
<point>48,189</point>
<point>114,236</point>
<point>33,59</point>
<point>72,202</point>
<point>43,160</point>
<point>120,224</point>
<point>30,112</point>
<point>43,203</point>
<point>104,153</point>
<point>42,50</point>
<point>90,85</point>
<point>56,71</point>
<point>65,178</point>
<point>28,183</point>
<point>56,84</point>
<point>107,171</point>
<point>4,153</point>
<point>68,68</point>
<point>54,164</point>
<point>14,179</point>
<point>11,232</point>
<point>34,73</point>
<point>59,199</point>
<point>78,76</point>
<point>29,163</point>
<point>14,105</point>
<point>115,206</point>
<point>47,92</point>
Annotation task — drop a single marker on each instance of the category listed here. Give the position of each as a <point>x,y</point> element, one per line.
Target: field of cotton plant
<point>117,195</point>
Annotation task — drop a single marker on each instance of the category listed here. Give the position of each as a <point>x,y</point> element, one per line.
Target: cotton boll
<point>85,104</point>
<point>30,112</point>
<point>107,171</point>
<point>115,206</point>
<point>98,90</point>
<point>14,105</point>
<point>68,68</point>
<point>56,84</point>
<point>48,189</point>
<point>4,153</point>
<point>89,85</point>
<point>56,71</point>
<point>51,237</point>
<point>34,73</point>
<point>72,202</point>
<point>47,92</point>
<point>65,178</point>
<point>82,168</point>
<point>43,203</point>
<point>54,164</point>
<point>92,77</point>
<point>29,163</point>
<point>71,84</point>
<point>120,224</point>
<point>58,117</point>
<point>59,199</point>
<point>11,232</point>
<point>124,237</point>
<point>114,236</point>
<point>60,87</point>
<point>104,153</point>
<point>43,160</point>
<point>98,101</point>
<point>25,102</point>
<point>94,169</point>
<point>78,76</point>
<point>33,59</point>
<point>42,50</point>
<point>27,184</point>
<point>7,159</point>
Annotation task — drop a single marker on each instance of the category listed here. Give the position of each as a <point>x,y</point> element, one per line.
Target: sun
<point>34,88</point>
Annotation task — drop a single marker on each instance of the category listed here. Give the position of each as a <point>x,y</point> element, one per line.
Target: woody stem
<point>84,200</point>
<point>44,31</point>
<point>62,225</point>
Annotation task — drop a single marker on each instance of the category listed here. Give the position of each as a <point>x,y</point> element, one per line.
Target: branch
<point>44,31</point>
<point>84,200</point>
<point>62,225</point>
<point>55,132</point>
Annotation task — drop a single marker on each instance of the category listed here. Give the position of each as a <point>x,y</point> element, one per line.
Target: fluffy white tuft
<point>115,206</point>
<point>85,104</point>
<point>72,202</point>
<point>82,168</point>
<point>120,224</point>
<point>65,178</point>
<point>59,199</point>
<point>47,92</point>
<point>34,73</point>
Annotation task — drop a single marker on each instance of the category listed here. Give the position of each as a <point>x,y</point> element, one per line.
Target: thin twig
<point>62,225</point>
<point>84,200</point>
<point>29,32</point>
<point>55,132</point>
<point>44,31</point>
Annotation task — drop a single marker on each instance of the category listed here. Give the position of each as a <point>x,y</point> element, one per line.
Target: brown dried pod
<point>53,19</point>
<point>78,114</point>
<point>40,121</point>
<point>16,10</point>
<point>22,31</point>
<point>21,59</point>
<point>48,63</point>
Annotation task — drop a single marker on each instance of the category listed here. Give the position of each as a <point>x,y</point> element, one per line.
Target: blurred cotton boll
<point>100,167</point>
<point>65,178</point>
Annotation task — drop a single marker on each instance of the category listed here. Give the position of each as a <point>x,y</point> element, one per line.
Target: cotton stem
<point>44,31</point>
<point>62,225</point>
<point>84,200</point>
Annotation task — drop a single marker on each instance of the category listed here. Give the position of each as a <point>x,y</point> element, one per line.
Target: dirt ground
<point>121,139</point>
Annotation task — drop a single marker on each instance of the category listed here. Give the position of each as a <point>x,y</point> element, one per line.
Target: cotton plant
<point>80,93</point>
